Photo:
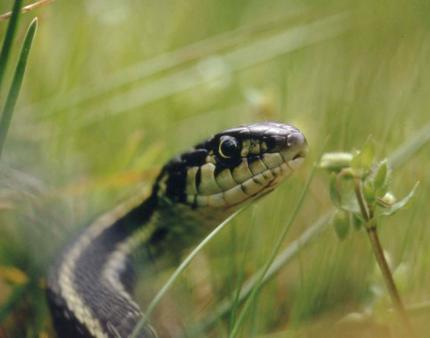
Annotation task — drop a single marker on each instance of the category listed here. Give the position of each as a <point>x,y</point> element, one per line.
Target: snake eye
<point>228,146</point>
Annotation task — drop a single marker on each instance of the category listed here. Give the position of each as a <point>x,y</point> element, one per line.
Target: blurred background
<point>115,88</point>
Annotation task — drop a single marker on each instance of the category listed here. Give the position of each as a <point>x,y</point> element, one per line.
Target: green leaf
<point>400,204</point>
<point>341,224</point>
<point>363,160</point>
<point>382,178</point>
<point>7,43</point>
<point>356,221</point>
<point>16,83</point>
<point>349,202</point>
<point>369,191</point>
<point>342,194</point>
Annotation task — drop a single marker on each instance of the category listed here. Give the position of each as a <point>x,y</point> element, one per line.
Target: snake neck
<point>93,281</point>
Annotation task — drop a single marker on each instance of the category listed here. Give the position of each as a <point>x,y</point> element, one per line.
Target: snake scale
<point>90,286</point>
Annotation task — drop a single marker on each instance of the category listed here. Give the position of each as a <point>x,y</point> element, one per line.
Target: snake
<point>90,285</point>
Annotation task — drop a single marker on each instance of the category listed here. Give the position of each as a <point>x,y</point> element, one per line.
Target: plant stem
<point>378,251</point>
<point>388,277</point>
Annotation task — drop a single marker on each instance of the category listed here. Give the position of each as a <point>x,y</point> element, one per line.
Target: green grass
<point>113,89</point>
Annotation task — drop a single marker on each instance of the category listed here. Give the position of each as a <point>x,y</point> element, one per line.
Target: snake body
<point>90,285</point>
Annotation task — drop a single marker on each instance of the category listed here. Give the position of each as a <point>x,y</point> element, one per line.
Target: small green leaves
<point>382,177</point>
<point>341,224</point>
<point>356,220</point>
<point>341,192</point>
<point>394,207</point>
<point>359,188</point>
<point>360,191</point>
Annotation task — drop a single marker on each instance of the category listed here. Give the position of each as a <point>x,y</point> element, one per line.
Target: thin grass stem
<point>14,298</point>
<point>235,331</point>
<point>286,256</point>
<point>16,83</point>
<point>156,300</point>
<point>7,43</point>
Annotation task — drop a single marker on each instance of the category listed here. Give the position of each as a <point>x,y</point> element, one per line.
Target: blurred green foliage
<point>115,88</point>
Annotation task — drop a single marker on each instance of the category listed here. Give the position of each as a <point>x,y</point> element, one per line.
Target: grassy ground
<point>115,88</point>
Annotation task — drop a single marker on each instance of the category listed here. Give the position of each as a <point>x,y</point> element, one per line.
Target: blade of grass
<point>286,256</point>
<point>402,154</point>
<point>16,83</point>
<point>260,281</point>
<point>11,302</point>
<point>7,43</point>
<point>156,300</point>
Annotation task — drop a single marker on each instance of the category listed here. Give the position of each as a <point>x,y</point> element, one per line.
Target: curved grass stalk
<point>400,156</point>
<point>260,280</point>
<point>285,257</point>
<point>156,300</point>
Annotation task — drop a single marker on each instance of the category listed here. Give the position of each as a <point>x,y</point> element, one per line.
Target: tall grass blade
<point>260,281</point>
<point>7,43</point>
<point>9,305</point>
<point>286,256</point>
<point>400,156</point>
<point>178,271</point>
<point>16,83</point>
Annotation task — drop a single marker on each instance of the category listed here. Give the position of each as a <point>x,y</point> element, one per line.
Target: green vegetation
<point>114,88</point>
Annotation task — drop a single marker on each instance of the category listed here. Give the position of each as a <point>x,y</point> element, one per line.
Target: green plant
<point>360,190</point>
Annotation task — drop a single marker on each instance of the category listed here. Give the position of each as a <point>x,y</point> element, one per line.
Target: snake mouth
<point>254,176</point>
<point>254,187</point>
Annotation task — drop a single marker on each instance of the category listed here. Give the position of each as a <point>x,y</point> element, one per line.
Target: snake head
<point>233,166</point>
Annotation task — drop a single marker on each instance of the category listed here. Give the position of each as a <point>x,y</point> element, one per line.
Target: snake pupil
<point>228,147</point>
